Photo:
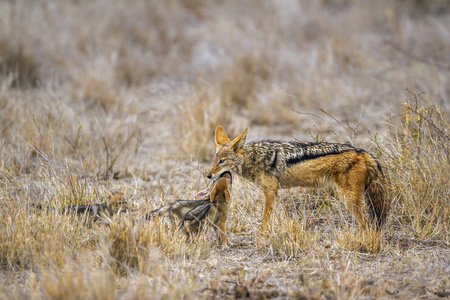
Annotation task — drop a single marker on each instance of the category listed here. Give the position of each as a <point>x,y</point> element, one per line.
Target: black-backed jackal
<point>195,214</point>
<point>115,202</point>
<point>273,165</point>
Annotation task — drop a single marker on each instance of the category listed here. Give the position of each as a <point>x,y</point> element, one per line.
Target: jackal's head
<point>229,154</point>
<point>116,201</point>
<point>213,183</point>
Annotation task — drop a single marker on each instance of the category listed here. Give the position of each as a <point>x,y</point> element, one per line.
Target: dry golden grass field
<point>112,94</point>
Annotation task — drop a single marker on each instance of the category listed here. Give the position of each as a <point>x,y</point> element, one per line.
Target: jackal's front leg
<point>270,188</point>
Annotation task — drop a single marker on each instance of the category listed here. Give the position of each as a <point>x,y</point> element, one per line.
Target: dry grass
<point>98,95</point>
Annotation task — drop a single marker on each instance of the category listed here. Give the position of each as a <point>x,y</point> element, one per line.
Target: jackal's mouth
<point>226,172</point>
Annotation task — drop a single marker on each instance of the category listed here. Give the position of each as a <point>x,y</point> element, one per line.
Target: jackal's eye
<point>221,161</point>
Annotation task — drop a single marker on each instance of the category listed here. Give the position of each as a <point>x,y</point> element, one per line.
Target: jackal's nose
<point>209,176</point>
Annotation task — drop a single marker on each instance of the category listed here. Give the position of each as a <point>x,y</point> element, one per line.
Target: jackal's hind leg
<point>354,204</point>
<point>352,196</point>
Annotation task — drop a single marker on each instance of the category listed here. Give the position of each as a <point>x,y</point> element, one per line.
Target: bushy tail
<point>377,193</point>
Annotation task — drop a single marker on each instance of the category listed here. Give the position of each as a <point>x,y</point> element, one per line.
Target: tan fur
<point>273,165</point>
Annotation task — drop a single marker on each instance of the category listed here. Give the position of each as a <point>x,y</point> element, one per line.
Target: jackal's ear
<point>123,190</point>
<point>227,195</point>
<point>221,137</point>
<point>239,142</point>
<point>213,195</point>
